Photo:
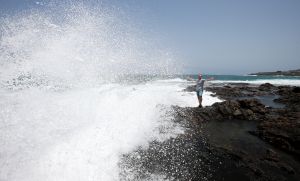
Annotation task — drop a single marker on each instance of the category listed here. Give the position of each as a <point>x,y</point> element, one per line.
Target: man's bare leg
<point>200,101</point>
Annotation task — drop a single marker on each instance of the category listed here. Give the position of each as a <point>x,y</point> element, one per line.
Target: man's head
<point>199,76</point>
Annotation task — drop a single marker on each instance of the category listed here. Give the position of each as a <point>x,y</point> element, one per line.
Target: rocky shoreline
<point>279,73</point>
<point>246,137</point>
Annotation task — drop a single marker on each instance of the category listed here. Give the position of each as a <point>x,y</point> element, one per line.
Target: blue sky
<point>216,36</point>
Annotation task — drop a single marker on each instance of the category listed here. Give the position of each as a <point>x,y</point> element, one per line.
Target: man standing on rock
<point>199,87</point>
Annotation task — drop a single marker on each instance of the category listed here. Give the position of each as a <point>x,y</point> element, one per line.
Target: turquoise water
<point>251,79</point>
<point>276,80</point>
<point>246,77</point>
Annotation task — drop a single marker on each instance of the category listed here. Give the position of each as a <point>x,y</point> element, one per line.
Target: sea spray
<point>75,46</point>
<point>64,114</point>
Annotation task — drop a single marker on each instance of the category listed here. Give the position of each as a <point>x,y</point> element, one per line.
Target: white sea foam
<point>63,115</point>
<point>80,134</point>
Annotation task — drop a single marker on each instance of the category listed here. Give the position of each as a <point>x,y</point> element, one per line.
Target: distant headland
<point>285,73</point>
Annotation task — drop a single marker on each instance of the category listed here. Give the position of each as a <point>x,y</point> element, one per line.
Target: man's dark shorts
<point>199,93</point>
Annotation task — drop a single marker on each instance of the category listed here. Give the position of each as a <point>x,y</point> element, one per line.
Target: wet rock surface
<point>237,90</point>
<point>238,139</point>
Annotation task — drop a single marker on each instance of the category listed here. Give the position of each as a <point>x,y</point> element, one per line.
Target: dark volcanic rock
<point>296,89</point>
<point>280,128</point>
<point>290,96</point>
<point>206,153</point>
<point>184,158</point>
<point>283,133</point>
<point>238,139</point>
<point>248,109</point>
<point>266,87</point>
<point>232,91</point>
<point>286,73</point>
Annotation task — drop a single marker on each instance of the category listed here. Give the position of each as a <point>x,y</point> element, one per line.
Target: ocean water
<point>79,87</point>
<point>77,90</point>
<point>252,79</point>
<point>81,134</point>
